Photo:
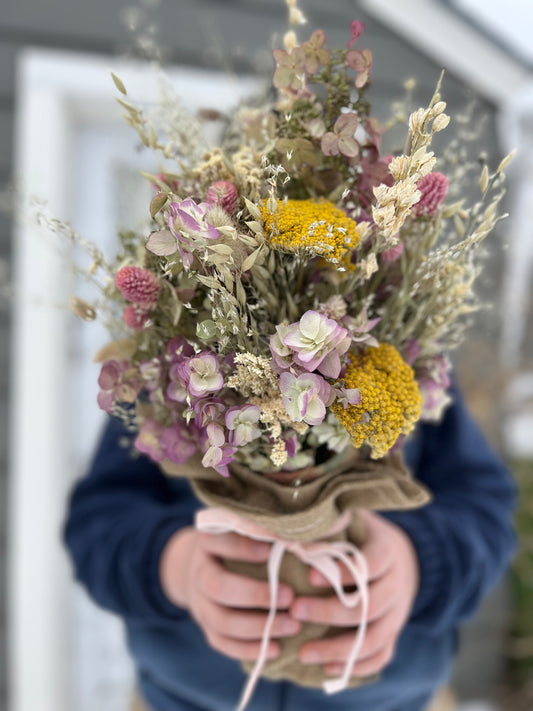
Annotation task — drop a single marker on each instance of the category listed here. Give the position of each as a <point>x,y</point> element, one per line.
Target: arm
<point>120,518</point>
<point>464,538</point>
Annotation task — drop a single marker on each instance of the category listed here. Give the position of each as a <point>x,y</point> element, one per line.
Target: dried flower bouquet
<point>288,320</point>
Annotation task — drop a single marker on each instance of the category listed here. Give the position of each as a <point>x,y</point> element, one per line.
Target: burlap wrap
<point>305,512</point>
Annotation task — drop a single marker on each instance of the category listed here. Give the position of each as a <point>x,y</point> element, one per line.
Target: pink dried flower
<point>305,397</point>
<point>209,411</point>
<point>242,422</point>
<point>168,181</point>
<point>360,62</point>
<point>180,441</point>
<point>135,317</point>
<point>356,30</point>
<point>138,285</point>
<point>178,349</point>
<point>314,55</point>
<point>317,343</point>
<point>359,328</point>
<point>218,453</point>
<point>187,231</point>
<point>433,188</point>
<point>392,254</point>
<point>335,307</point>
<point>200,375</point>
<point>116,385</point>
<point>411,351</point>
<point>290,69</point>
<point>148,440</point>
<point>223,193</point>
<point>341,139</point>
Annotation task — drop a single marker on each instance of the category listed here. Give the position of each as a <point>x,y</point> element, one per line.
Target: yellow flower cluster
<point>315,225</point>
<point>390,401</point>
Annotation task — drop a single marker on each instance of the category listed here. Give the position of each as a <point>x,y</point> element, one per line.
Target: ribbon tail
<point>359,572</point>
<point>274,563</point>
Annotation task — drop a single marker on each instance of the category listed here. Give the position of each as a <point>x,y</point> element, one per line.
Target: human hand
<point>393,586</point>
<point>228,607</point>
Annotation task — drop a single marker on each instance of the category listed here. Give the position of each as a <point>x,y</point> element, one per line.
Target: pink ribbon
<point>327,557</point>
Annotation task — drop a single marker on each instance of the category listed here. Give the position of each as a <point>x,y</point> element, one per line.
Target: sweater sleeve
<point>464,538</point>
<point>120,517</point>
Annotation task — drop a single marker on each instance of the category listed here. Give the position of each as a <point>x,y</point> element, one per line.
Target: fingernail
<point>300,610</point>
<point>310,656</point>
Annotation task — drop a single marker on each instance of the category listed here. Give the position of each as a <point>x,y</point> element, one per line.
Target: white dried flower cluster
<point>278,455</point>
<point>253,376</point>
<point>335,307</point>
<point>274,415</point>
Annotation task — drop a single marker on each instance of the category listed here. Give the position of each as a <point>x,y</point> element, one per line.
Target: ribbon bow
<point>326,557</point>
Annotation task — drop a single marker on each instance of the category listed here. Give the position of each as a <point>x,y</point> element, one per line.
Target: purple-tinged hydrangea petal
<point>242,423</point>
<point>317,343</point>
<point>200,375</point>
<point>148,440</point>
<point>179,442</point>
<point>305,397</point>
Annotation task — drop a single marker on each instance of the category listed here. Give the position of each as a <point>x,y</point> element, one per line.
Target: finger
<point>330,610</point>
<point>337,649</point>
<point>244,625</point>
<point>367,667</point>
<point>235,547</point>
<point>240,649</point>
<point>232,590</point>
<point>376,548</point>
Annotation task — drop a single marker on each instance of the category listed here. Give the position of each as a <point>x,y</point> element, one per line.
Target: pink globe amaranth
<point>223,193</point>
<point>138,285</point>
<point>135,317</point>
<point>393,253</point>
<point>433,188</point>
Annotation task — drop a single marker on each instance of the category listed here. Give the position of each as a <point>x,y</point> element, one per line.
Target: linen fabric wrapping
<point>306,512</point>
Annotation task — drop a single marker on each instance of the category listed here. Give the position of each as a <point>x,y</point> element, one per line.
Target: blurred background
<point>63,143</point>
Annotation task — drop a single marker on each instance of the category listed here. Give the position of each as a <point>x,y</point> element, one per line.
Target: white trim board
<point>453,44</point>
<point>58,94</point>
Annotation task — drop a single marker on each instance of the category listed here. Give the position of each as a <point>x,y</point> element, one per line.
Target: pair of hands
<point>229,607</point>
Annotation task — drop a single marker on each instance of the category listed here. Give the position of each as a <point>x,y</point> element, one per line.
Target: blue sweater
<point>122,514</point>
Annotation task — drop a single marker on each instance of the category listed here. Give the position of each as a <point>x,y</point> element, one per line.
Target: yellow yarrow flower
<point>315,225</point>
<point>390,401</point>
